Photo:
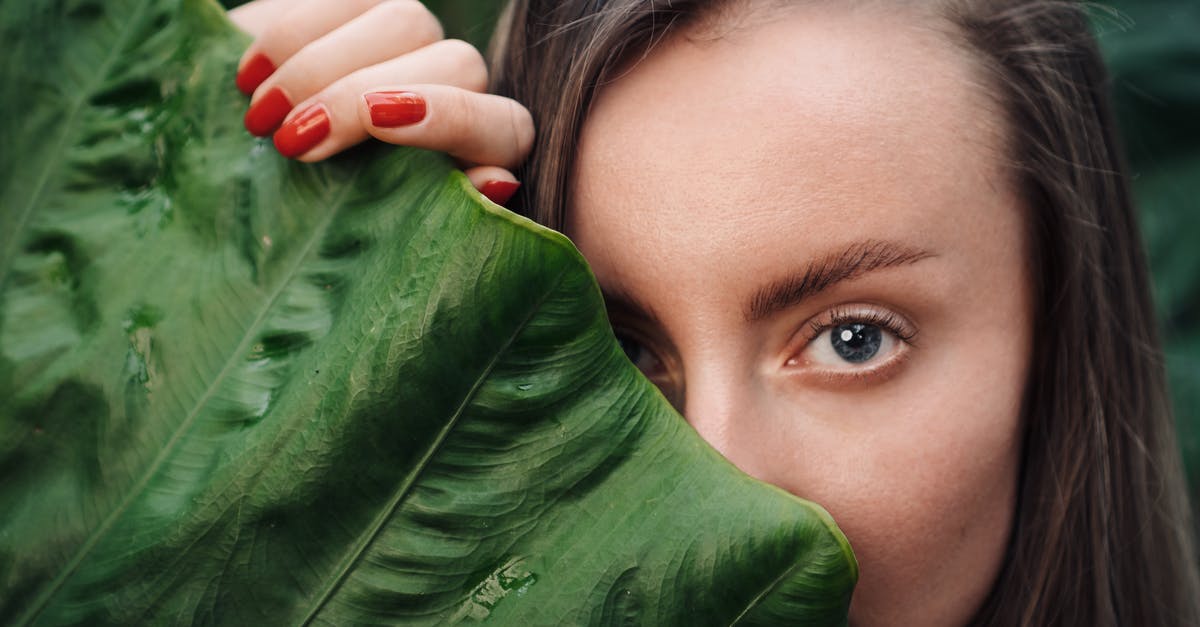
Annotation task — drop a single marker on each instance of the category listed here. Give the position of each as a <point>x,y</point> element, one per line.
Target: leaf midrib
<point>791,570</point>
<point>67,130</point>
<point>368,537</point>
<point>766,591</point>
<point>248,337</point>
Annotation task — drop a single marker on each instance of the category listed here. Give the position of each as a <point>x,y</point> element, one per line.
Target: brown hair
<point>1101,533</point>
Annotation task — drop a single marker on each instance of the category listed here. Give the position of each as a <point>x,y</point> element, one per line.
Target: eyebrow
<point>844,265</point>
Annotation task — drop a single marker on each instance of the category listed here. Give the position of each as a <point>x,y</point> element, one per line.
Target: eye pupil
<point>856,342</point>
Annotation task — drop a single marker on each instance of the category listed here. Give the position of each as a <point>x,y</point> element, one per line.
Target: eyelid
<point>860,376</point>
<point>889,320</point>
<point>883,317</point>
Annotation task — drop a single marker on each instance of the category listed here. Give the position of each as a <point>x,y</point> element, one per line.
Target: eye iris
<point>856,342</point>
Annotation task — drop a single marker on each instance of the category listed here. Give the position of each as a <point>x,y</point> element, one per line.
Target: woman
<point>878,254</point>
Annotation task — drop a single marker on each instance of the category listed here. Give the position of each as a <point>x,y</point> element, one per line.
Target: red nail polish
<point>395,108</point>
<point>499,191</point>
<point>265,115</point>
<point>303,132</point>
<point>254,72</point>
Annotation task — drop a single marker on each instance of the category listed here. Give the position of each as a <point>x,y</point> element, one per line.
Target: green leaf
<point>240,390</point>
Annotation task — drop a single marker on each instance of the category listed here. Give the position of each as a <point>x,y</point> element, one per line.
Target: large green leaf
<point>244,391</point>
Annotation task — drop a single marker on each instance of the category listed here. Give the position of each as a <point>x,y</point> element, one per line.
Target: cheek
<point>932,527</point>
<point>922,479</point>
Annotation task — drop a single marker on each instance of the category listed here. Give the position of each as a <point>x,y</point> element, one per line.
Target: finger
<point>254,17</point>
<point>497,184</point>
<point>391,29</point>
<point>304,23</point>
<point>479,128</point>
<point>448,61</point>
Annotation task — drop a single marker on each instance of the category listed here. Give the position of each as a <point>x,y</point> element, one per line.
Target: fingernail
<point>499,191</point>
<point>395,108</point>
<point>265,115</point>
<point>254,72</point>
<point>303,132</point>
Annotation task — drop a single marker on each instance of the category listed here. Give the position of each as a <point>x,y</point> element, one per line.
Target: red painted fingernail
<point>302,132</point>
<point>254,72</point>
<point>265,115</point>
<point>395,108</point>
<point>499,191</point>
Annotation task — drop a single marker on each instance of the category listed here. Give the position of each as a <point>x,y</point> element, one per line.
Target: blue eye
<point>856,342</point>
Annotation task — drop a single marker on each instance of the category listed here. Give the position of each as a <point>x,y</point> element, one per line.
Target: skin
<point>334,53</point>
<point>734,158</point>
<point>719,165</point>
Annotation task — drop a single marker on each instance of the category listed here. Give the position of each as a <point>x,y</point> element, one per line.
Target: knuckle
<point>284,30</point>
<point>466,62</point>
<point>346,88</point>
<point>366,5</point>
<point>523,133</point>
<point>337,91</point>
<point>411,13</point>
<point>457,110</point>
<point>455,121</point>
<point>301,76</point>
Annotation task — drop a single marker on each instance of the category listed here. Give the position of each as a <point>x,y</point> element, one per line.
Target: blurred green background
<point>1153,51</point>
<point>471,20</point>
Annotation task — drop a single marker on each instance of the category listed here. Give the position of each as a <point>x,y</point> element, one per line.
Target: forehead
<point>798,132</point>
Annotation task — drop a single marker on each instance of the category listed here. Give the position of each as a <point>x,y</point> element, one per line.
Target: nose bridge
<point>719,404</point>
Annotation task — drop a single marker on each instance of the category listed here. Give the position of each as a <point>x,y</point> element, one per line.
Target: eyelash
<point>889,321</point>
<point>886,320</point>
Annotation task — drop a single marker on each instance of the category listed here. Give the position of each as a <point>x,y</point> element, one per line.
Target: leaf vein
<point>248,337</point>
<point>766,591</point>
<point>369,536</point>
<point>99,76</point>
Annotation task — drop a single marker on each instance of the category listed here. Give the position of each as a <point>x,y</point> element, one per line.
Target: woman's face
<point>807,239</point>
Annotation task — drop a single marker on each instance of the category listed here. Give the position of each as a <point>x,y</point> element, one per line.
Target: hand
<point>327,74</point>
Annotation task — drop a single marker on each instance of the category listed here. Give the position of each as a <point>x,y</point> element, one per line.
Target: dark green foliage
<point>1153,51</point>
<point>240,390</point>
